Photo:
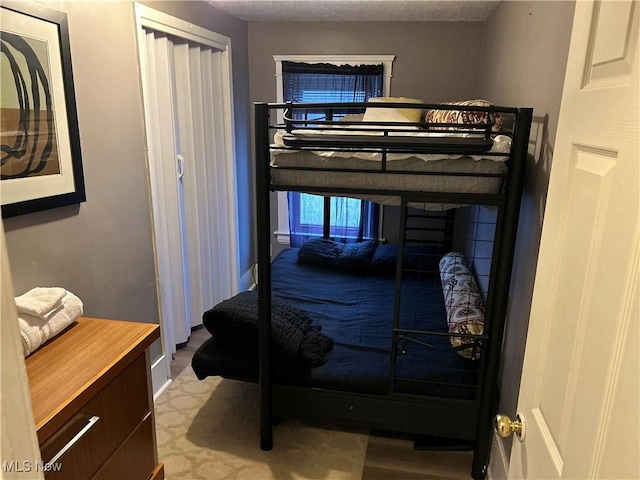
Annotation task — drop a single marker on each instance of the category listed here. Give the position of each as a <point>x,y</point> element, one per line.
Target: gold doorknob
<point>504,426</point>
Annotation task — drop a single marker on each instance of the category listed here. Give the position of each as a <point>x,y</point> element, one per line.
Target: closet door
<point>166,185</point>
<point>186,79</point>
<point>204,180</point>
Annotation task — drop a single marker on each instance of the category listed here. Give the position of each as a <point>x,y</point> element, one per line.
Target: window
<point>306,214</point>
<point>324,82</point>
<point>351,219</point>
<point>321,79</point>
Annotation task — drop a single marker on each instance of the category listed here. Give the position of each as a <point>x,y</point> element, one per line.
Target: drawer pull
<point>92,421</point>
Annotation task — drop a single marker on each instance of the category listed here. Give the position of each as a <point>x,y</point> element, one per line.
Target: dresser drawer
<point>135,459</point>
<point>119,407</point>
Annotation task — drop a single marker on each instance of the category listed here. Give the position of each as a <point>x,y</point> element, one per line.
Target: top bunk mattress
<point>460,174</point>
<point>388,162</point>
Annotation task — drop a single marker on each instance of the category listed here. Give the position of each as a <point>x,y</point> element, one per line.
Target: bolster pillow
<point>463,303</point>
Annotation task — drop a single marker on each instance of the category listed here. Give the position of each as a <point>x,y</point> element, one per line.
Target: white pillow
<point>411,115</point>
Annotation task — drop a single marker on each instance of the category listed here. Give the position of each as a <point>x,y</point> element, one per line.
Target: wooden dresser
<point>93,403</point>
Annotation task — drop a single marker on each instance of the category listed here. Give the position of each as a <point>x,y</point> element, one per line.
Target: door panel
<point>612,46</point>
<point>622,417</point>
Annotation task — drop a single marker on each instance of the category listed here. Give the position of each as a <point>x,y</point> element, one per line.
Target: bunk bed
<point>403,337</point>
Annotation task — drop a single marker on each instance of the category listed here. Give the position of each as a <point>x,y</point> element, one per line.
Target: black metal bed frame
<point>441,417</point>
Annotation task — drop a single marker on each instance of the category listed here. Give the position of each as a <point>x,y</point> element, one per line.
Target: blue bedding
<point>324,252</point>
<point>355,309</point>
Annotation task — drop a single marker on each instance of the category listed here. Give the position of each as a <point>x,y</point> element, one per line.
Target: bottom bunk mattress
<point>355,308</point>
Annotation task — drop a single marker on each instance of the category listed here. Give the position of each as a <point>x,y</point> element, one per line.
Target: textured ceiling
<point>357,10</point>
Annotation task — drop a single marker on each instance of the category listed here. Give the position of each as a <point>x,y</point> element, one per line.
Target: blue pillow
<point>324,252</point>
<point>356,255</point>
<point>385,258</point>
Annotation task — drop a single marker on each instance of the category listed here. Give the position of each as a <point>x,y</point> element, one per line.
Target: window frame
<point>282,232</point>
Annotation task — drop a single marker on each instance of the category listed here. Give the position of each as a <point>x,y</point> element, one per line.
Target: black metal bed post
<point>510,214</point>
<point>264,272</point>
<point>402,237</point>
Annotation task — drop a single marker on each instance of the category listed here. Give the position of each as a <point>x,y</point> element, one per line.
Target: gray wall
<point>435,61</point>
<point>525,51</point>
<point>102,249</point>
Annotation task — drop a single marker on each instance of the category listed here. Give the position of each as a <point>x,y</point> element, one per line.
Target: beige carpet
<point>209,430</point>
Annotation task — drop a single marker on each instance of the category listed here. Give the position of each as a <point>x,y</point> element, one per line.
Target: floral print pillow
<point>463,118</point>
<point>463,303</point>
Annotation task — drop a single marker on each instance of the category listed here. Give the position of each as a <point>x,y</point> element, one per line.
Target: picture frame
<point>41,157</point>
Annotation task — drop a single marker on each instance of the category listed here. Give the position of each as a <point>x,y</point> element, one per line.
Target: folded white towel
<point>40,301</point>
<point>35,331</point>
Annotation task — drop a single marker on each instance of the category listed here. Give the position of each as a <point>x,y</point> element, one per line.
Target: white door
<point>580,384</point>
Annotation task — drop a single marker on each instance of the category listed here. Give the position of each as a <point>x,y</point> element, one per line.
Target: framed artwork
<point>41,160</point>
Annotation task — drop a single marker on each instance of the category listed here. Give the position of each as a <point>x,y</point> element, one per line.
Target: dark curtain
<point>351,220</point>
<point>304,82</point>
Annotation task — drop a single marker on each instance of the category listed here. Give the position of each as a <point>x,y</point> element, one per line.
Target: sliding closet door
<point>206,181</point>
<point>165,186</point>
<point>188,114</point>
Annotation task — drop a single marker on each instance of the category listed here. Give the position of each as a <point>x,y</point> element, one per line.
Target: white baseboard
<point>247,280</point>
<point>160,376</point>
<point>498,463</point>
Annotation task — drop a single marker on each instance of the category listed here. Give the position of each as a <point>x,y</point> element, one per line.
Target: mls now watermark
<point>26,466</point>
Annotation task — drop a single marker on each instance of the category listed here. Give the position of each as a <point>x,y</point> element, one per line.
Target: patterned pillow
<point>463,303</point>
<point>462,117</point>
